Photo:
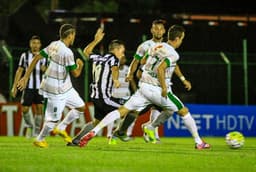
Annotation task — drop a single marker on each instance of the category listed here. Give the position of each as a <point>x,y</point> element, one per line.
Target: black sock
<point>126,123</point>
<point>88,127</point>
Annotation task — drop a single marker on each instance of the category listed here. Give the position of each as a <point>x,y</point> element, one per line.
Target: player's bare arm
<point>133,66</point>
<point>179,74</point>
<point>97,38</point>
<point>76,72</point>
<point>161,77</point>
<point>18,75</point>
<point>115,75</point>
<point>43,68</point>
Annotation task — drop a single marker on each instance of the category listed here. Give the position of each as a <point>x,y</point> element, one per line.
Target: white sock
<point>191,126</point>
<point>70,117</point>
<point>110,129</point>
<point>47,127</point>
<point>154,114</point>
<point>38,123</point>
<point>110,117</point>
<point>130,129</point>
<point>156,133</point>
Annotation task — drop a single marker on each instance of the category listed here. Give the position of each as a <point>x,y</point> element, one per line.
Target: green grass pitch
<point>173,154</point>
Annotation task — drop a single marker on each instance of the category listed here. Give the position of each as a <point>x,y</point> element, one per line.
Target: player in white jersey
<point>157,30</point>
<point>56,86</point>
<point>155,88</point>
<point>30,95</point>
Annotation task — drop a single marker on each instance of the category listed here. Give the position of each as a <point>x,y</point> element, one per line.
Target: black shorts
<point>31,96</point>
<point>103,106</point>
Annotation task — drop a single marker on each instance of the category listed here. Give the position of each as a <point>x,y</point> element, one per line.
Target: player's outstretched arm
<point>97,38</point>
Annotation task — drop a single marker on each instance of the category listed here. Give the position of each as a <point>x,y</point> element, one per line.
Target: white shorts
<point>54,106</point>
<point>150,94</point>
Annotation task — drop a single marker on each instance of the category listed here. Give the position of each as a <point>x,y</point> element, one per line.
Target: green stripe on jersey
<point>69,68</point>
<point>175,100</point>
<point>138,57</point>
<point>167,61</point>
<point>44,54</point>
<point>45,104</point>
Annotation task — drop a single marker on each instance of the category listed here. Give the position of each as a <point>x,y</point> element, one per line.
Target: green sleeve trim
<point>69,68</point>
<point>167,61</point>
<point>137,57</point>
<point>146,55</point>
<point>44,54</point>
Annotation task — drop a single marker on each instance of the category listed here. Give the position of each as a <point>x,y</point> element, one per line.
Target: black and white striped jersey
<point>102,84</point>
<point>36,75</point>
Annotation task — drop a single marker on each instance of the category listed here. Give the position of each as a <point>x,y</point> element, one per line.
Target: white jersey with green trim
<point>123,91</point>
<point>56,80</point>
<point>158,53</point>
<point>143,48</point>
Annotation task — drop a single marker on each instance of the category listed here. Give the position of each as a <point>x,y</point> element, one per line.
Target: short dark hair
<point>65,30</point>
<point>159,21</point>
<point>35,37</point>
<point>115,43</point>
<point>175,31</point>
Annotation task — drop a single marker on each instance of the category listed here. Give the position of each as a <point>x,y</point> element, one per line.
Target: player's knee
<point>39,109</point>
<point>25,109</point>
<point>123,111</point>
<point>81,109</point>
<point>183,111</point>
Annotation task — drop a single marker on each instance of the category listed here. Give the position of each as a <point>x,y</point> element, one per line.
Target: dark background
<point>200,59</point>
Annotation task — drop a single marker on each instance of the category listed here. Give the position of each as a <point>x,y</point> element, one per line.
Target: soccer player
<point>56,86</point>
<point>122,94</point>
<point>105,73</point>
<point>30,94</point>
<point>157,31</point>
<point>155,88</point>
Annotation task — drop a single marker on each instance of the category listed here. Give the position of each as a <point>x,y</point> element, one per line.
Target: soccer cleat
<point>41,144</point>
<point>63,134</point>
<point>122,137</point>
<point>203,145</point>
<point>75,142</point>
<point>150,133</point>
<point>145,137</point>
<point>72,144</point>
<point>84,140</point>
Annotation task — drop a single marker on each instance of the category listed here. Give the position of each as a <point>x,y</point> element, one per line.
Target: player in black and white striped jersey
<point>102,84</point>
<point>105,73</point>
<point>30,95</point>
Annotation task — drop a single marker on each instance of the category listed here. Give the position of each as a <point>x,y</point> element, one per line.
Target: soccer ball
<point>235,139</point>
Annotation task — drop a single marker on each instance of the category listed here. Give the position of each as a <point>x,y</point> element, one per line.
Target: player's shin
<point>110,117</point>
<point>164,115</point>
<point>129,119</point>
<point>71,116</point>
<point>191,126</point>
